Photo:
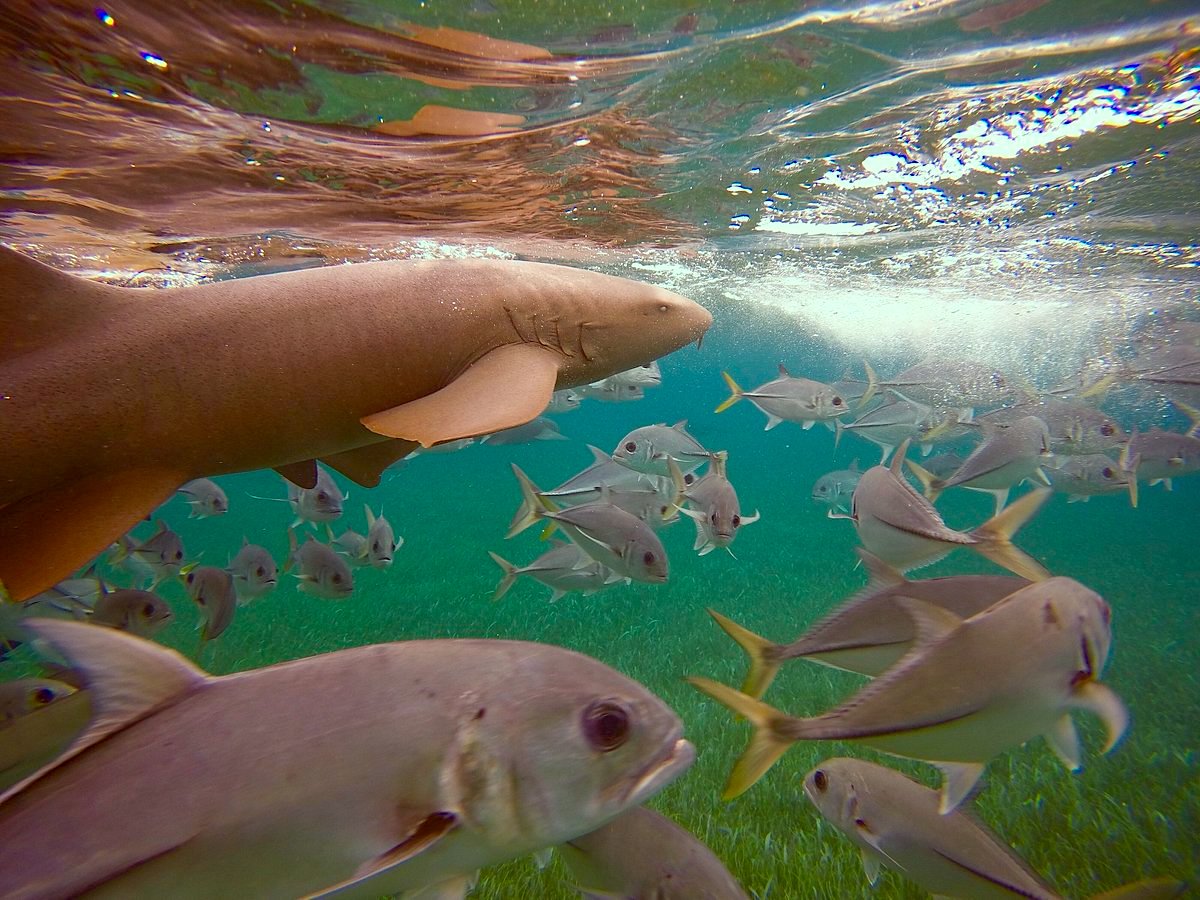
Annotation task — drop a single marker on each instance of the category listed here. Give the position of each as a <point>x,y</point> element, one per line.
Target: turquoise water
<point>1009,183</point>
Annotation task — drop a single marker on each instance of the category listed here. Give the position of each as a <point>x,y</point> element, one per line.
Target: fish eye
<point>630,446</point>
<point>837,401</point>
<point>823,488</point>
<point>337,579</point>
<point>820,782</point>
<point>648,558</point>
<point>260,572</point>
<point>689,478</point>
<point>713,517</point>
<point>737,520</point>
<point>191,576</point>
<point>178,555</point>
<point>43,695</point>
<point>1107,430</point>
<point>147,610</point>
<point>663,510</point>
<point>1107,472</point>
<point>322,496</point>
<point>605,725</point>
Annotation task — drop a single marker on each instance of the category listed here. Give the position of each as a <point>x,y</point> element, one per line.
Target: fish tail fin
<point>533,505</point>
<point>930,483</point>
<point>994,537</point>
<point>1146,889</point>
<point>838,429</point>
<point>763,662</point>
<point>507,579</point>
<point>120,552</point>
<point>872,385</point>
<point>293,546</point>
<point>1098,388</point>
<point>735,393</point>
<point>680,487</point>
<point>1193,414</point>
<point>767,743</point>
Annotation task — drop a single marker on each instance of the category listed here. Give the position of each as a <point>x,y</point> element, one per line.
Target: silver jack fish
<point>1032,658</point>
<point>254,571</point>
<point>790,399</point>
<point>894,821</point>
<point>362,773</point>
<point>647,449</point>
<point>715,509</point>
<point>205,497</point>
<point>564,568</point>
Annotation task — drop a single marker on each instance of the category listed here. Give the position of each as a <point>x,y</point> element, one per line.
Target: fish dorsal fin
<point>897,465</point>
<point>783,371</point>
<point>680,425</point>
<point>882,577</point>
<point>370,515</point>
<point>127,677</point>
<point>43,304</point>
<point>854,464</point>
<point>931,622</point>
<point>599,455</point>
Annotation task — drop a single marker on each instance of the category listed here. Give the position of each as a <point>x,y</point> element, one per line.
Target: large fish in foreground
<point>902,528</point>
<point>114,397</point>
<point>645,856</point>
<point>360,773</point>
<point>873,630</point>
<point>894,821</point>
<point>969,690</point>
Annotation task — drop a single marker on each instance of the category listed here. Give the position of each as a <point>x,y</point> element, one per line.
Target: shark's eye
<point>648,558</point>
<point>820,782</point>
<point>663,308</point>
<point>630,446</point>
<point>43,695</point>
<point>605,725</point>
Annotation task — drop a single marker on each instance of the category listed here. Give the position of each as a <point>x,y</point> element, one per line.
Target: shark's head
<point>601,324</point>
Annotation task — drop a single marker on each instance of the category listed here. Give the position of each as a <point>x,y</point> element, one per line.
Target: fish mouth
<point>661,772</point>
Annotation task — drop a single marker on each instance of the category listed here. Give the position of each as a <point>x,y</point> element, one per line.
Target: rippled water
<point>1011,181</point>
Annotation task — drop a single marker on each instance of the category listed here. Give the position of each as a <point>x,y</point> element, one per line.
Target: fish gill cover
<point>1009,183</point>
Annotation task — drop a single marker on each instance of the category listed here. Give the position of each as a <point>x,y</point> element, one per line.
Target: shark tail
<point>767,744</point>
<point>763,661</point>
<point>533,505</point>
<point>507,579</point>
<point>1146,889</point>
<point>994,537</point>
<point>735,393</point>
<point>930,483</point>
<point>872,386</point>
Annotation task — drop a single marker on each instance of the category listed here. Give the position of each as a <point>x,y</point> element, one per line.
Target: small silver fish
<point>158,557</point>
<point>644,376</point>
<point>321,571</point>
<point>790,399</point>
<point>603,472</point>
<point>873,630</point>
<point>212,590</point>
<point>1008,455</point>
<point>1073,426</point>
<point>834,489</point>
<point>902,528</point>
<point>539,429</point>
<point>947,383</point>
<point>644,855</point>
<point>714,505</point>
<point>205,497</point>
<point>23,696</point>
<point>141,613</point>
<point>254,571</point>
<point>894,821</point>
<point>647,449</point>
<point>320,503</point>
<point>654,500</point>
<point>1033,657</point>
<point>609,392</point>
<point>1082,477</point>
<point>381,541</point>
<point>890,424</point>
<point>564,568</point>
<point>1159,456</point>
<point>38,720</point>
<point>610,535</point>
<point>563,401</point>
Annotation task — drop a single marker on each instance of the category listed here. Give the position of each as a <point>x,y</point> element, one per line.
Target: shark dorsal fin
<point>127,678</point>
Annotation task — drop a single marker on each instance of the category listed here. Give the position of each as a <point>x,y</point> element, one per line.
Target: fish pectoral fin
<point>425,832</point>
<point>47,536</point>
<point>366,465</point>
<point>1064,741</point>
<point>302,474</point>
<point>959,783</point>
<point>455,888</point>
<point>507,387</point>
<point>1102,701</point>
<point>871,866</point>
<point>1146,889</point>
<point>931,622</point>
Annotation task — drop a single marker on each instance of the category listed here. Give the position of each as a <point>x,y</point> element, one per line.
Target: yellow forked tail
<point>767,744</point>
<point>930,483</point>
<point>735,393</point>
<point>762,666</point>
<point>994,537</point>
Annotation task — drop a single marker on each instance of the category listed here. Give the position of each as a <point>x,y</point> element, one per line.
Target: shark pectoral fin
<point>366,465</point>
<point>767,744</point>
<point>424,833</point>
<point>762,654</point>
<point>1102,701</point>
<point>871,866</point>
<point>507,387</point>
<point>960,781</point>
<point>302,474</point>
<point>47,536</point>
<point>1064,741</point>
